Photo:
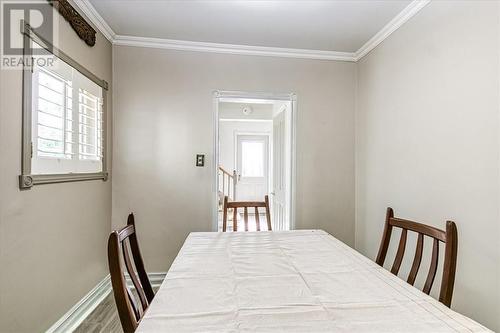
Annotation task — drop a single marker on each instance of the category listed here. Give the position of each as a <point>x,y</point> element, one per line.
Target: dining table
<point>289,281</point>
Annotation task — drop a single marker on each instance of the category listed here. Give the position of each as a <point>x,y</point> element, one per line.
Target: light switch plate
<point>200,160</point>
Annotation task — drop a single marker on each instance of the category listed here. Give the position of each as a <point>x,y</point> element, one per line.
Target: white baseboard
<point>156,278</point>
<point>71,319</point>
<point>77,314</point>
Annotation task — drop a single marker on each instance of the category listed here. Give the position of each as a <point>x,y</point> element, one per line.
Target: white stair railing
<point>227,183</point>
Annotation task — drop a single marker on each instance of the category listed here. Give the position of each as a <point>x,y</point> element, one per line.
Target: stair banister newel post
<point>223,183</point>
<point>234,184</point>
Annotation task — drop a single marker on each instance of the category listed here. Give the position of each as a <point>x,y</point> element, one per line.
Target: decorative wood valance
<point>77,22</point>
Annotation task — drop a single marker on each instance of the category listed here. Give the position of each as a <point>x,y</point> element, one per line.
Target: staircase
<point>227,187</point>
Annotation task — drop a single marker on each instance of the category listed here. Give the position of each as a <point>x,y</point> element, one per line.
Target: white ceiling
<point>341,26</point>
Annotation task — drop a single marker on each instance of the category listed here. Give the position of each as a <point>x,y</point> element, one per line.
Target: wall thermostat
<point>200,160</point>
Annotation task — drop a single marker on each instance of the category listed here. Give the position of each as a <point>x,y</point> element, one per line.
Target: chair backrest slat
<point>241,204</point>
<point>427,230</point>
<point>139,263</point>
<point>433,268</point>
<point>131,273</point>
<point>234,205</point>
<point>121,244</point>
<point>135,308</point>
<point>126,232</point>
<point>448,237</point>
<point>416,260</point>
<point>400,254</point>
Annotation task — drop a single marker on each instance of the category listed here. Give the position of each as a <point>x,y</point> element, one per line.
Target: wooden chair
<point>245,205</point>
<point>448,237</point>
<point>125,241</point>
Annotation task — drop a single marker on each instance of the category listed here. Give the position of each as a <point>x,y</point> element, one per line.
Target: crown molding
<point>171,44</point>
<point>413,8</point>
<point>88,9</point>
<point>181,45</point>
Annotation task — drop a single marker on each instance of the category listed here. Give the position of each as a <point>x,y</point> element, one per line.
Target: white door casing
<point>291,121</point>
<point>279,193</point>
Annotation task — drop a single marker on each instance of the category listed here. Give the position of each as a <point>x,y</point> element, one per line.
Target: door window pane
<point>252,159</point>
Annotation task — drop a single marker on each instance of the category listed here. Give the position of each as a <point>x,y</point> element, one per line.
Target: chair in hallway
<point>448,237</point>
<point>122,244</point>
<point>234,205</point>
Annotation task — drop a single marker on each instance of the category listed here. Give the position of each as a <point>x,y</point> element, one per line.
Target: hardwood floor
<point>241,226</point>
<point>104,319</point>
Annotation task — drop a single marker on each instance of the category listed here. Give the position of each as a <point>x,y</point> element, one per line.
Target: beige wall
<point>164,116</point>
<point>425,136</point>
<point>427,141</point>
<point>52,237</point>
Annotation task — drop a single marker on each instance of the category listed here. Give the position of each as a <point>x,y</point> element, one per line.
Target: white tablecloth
<point>296,281</point>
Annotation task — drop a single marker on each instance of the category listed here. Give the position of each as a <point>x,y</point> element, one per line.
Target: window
<point>90,126</point>
<point>252,159</point>
<point>67,121</point>
<point>52,99</point>
<point>63,123</point>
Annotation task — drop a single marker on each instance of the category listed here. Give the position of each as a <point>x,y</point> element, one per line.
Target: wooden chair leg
<point>268,213</point>
<point>224,215</point>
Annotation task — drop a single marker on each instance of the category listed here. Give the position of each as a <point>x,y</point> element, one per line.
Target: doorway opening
<point>254,156</point>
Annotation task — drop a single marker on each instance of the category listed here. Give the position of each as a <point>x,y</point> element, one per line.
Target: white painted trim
<point>224,95</point>
<point>245,120</point>
<point>251,97</point>
<point>88,9</point>
<point>77,314</point>
<point>413,8</point>
<point>181,45</point>
<point>215,160</point>
<point>293,173</point>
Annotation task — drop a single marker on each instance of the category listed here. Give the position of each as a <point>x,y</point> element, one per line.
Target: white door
<point>252,166</point>
<point>278,200</point>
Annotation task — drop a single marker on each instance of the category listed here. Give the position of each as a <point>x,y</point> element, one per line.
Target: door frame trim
<point>221,95</point>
